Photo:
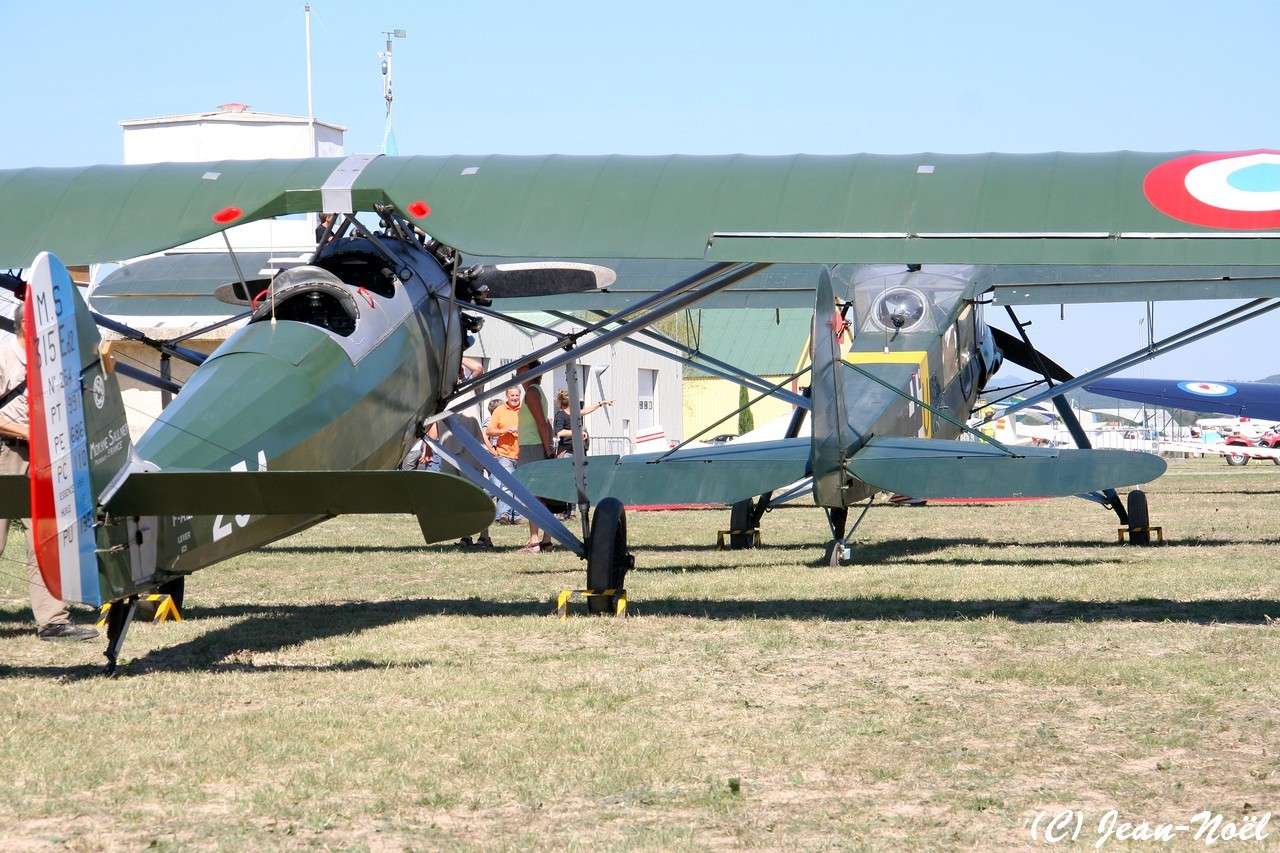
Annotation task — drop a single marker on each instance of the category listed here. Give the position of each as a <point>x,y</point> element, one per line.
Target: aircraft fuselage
<point>336,381</point>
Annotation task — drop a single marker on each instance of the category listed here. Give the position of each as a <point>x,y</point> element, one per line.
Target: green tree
<point>746,423</point>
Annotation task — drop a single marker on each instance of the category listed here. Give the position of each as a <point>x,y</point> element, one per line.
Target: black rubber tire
<point>1139,516</point>
<point>607,557</point>
<point>1237,459</point>
<point>740,519</point>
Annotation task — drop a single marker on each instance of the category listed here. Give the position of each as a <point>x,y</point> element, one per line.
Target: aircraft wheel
<point>740,519</point>
<point>1236,459</point>
<point>834,555</point>
<point>607,557</point>
<point>1139,516</point>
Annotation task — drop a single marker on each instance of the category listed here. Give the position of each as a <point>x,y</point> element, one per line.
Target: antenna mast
<point>311,113</point>
<point>388,135</point>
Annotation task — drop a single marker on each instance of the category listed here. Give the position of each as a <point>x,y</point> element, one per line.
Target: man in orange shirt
<point>504,429</point>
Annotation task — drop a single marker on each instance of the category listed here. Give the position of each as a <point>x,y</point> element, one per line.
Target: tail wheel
<point>1235,459</point>
<point>607,557</point>
<point>740,520</point>
<point>1139,517</point>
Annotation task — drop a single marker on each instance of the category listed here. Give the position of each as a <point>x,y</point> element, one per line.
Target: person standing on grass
<point>535,444</point>
<point>504,430</point>
<point>53,619</point>
<point>561,425</point>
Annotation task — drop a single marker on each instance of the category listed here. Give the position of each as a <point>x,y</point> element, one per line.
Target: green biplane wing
<point>1056,208</point>
<point>723,474</point>
<point>932,468</point>
<point>447,506</point>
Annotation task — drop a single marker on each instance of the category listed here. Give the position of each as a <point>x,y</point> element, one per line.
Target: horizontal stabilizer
<point>714,475</point>
<point>447,506</point>
<point>930,468</point>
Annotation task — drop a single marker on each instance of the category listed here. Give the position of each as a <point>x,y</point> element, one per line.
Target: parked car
<point>1269,439</point>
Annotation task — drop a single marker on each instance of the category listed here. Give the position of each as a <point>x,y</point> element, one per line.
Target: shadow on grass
<point>1212,492</point>
<point>355,549</point>
<point>266,629</point>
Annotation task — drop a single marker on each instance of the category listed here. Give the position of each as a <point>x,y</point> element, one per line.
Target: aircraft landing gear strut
<point>118,619</point>
<point>838,518</point>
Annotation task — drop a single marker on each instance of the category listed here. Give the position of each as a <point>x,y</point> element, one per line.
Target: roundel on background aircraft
<point>1239,190</point>
<point>1208,389</point>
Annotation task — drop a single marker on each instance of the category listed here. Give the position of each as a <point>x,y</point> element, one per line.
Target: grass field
<point>349,688</point>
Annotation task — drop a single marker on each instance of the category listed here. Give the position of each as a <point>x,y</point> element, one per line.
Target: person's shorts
<point>531,453</point>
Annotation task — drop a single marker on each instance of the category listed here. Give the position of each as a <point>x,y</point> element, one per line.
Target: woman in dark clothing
<point>561,423</point>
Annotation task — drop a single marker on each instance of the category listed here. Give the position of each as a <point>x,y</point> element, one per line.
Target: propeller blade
<point>540,278</point>
<point>234,293</point>
<point>1017,351</point>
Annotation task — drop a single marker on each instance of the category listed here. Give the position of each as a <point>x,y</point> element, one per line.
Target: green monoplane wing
<point>1055,208</point>
<point>722,474</point>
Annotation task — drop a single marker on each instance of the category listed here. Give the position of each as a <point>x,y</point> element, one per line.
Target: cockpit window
<point>311,295</point>
<point>889,301</point>
<point>318,308</point>
<point>899,309</point>
<point>361,268</point>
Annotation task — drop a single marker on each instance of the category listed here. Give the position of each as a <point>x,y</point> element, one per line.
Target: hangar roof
<point>765,342</point>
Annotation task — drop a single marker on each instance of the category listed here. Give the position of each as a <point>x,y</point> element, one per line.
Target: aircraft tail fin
<point>79,437</point>
<point>831,433</point>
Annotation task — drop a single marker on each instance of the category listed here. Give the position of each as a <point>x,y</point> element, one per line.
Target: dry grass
<point>351,689</point>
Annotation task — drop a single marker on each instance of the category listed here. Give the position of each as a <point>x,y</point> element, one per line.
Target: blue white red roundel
<point>1239,190</point>
<point>1208,389</point>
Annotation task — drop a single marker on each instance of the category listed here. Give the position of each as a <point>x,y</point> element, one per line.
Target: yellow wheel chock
<point>565,596</point>
<point>754,533</point>
<point>161,608</point>
<point>1122,532</point>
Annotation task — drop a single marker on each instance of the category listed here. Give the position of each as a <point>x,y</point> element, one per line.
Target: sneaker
<point>485,542</point>
<point>66,631</point>
<point>465,542</point>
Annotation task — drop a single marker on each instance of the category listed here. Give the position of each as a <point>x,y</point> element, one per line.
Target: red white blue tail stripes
<point>62,507</point>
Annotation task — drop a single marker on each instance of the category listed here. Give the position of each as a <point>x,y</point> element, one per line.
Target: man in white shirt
<point>53,621</point>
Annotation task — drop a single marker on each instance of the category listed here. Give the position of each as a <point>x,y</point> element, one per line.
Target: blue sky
<point>691,77</point>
